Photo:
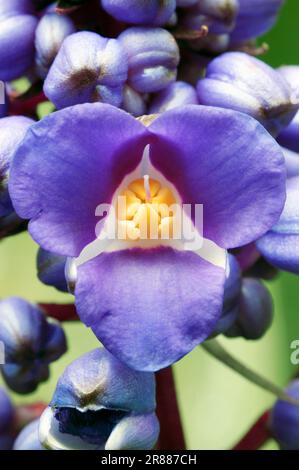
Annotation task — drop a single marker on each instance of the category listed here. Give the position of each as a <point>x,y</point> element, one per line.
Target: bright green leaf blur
<point>217,405</point>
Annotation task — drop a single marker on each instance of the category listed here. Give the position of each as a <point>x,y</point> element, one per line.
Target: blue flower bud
<point>284,420</point>
<point>87,68</point>
<point>7,416</point>
<point>100,403</point>
<point>153,57</point>
<point>12,131</point>
<point>15,7</point>
<point>31,343</point>
<point>255,17</point>
<point>51,269</point>
<point>28,438</point>
<point>232,292</point>
<point>133,102</point>
<point>17,29</point>
<point>280,245</point>
<point>255,311</point>
<point>218,15</point>
<point>175,95</point>
<point>50,33</point>
<point>238,81</point>
<point>151,12</point>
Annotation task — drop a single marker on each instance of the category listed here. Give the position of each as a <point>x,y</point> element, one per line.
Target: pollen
<point>146,210</point>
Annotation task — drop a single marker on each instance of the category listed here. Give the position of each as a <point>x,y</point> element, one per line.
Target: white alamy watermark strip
<point>2,92</point>
<point>294,356</point>
<point>2,353</point>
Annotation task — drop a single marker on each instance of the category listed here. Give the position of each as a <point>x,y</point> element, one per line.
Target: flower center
<point>146,209</point>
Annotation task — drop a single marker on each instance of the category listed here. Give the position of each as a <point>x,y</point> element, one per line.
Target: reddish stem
<point>171,431</point>
<point>61,312</point>
<point>27,413</point>
<point>26,106</point>
<point>257,435</point>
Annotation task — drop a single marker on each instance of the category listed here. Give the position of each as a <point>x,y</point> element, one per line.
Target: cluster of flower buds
<point>162,105</point>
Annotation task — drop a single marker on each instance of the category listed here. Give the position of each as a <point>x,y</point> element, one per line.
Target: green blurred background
<point>217,405</point>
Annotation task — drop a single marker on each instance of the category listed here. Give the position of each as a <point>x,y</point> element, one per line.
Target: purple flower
<point>176,94</point>
<point>87,68</point>
<point>17,29</point>
<point>31,343</point>
<point>238,81</point>
<point>28,438</point>
<point>151,12</point>
<point>280,246</point>
<point>52,29</point>
<point>149,301</point>
<point>153,57</point>
<point>284,420</point>
<point>7,417</point>
<point>99,403</point>
<point>255,18</point>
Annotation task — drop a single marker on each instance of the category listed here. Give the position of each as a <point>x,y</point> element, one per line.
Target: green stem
<point>214,348</point>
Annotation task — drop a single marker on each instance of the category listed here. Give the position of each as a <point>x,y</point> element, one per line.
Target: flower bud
<point>175,95</point>
<point>12,131</point>
<point>238,81</point>
<point>153,57</point>
<point>28,438</point>
<point>50,33</point>
<point>51,269</point>
<point>133,102</point>
<point>17,29</point>
<point>7,416</point>
<point>15,7</point>
<point>255,311</point>
<point>31,343</point>
<point>87,68</point>
<point>284,420</point>
<point>255,17</point>
<point>218,15</point>
<point>100,403</point>
<point>151,12</point>
<point>280,246</point>
<point>232,291</point>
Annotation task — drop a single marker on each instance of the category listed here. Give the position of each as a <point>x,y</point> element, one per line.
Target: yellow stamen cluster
<point>145,210</point>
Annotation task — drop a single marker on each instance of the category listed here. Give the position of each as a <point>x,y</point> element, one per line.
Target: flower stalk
<point>214,348</point>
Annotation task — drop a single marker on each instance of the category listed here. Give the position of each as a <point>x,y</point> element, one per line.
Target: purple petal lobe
<point>208,154</point>
<point>161,302</point>
<point>68,164</point>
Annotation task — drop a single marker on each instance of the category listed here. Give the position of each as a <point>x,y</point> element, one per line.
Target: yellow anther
<point>137,187</point>
<point>144,210</point>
